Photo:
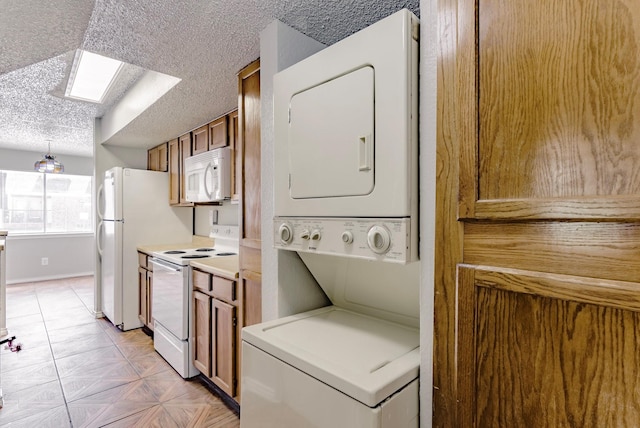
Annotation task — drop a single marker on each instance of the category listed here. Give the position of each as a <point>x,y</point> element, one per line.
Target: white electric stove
<point>171,298</point>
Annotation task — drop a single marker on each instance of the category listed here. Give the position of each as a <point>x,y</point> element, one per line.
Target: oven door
<point>170,301</point>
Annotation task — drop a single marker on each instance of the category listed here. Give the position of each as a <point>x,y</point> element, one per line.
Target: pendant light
<point>49,163</point>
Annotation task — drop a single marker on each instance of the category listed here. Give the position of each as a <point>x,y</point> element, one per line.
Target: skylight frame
<point>81,75</point>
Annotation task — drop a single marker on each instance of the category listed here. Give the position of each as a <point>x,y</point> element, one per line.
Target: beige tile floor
<point>78,371</point>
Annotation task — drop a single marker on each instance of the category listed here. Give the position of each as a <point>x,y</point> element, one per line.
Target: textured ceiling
<point>202,42</point>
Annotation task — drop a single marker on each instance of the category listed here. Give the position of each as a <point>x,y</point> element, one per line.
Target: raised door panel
<point>200,140</point>
<point>174,172</point>
<point>547,353</point>
<point>202,332</point>
<point>218,135</point>
<point>558,119</point>
<point>223,339</point>
<point>150,299</point>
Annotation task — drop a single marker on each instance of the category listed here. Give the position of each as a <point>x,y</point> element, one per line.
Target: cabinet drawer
<point>222,288</point>
<point>201,281</point>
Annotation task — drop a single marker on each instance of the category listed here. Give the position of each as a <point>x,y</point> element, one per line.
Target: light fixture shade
<point>48,164</point>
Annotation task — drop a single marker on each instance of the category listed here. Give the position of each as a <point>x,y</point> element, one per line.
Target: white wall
<point>287,285</point>
<point>21,160</point>
<point>227,214</point>
<point>68,256</point>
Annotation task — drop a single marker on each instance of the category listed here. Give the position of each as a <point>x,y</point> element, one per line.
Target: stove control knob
<point>347,237</point>
<point>286,233</point>
<point>315,235</point>
<point>379,239</point>
<point>305,234</point>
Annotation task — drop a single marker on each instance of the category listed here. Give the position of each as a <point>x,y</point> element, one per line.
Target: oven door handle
<point>165,265</point>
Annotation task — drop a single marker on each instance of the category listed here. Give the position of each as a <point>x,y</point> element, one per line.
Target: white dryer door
<point>331,137</point>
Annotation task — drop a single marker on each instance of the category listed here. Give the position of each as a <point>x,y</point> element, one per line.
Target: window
<point>33,202</point>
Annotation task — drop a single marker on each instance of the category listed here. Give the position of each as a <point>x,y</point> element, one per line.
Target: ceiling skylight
<point>91,76</point>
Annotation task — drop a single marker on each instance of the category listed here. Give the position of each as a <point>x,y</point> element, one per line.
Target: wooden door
<point>202,332</point>
<point>538,214</point>
<point>200,140</point>
<point>150,299</point>
<point>153,159</point>
<point>218,133</point>
<point>223,340</point>
<point>162,158</point>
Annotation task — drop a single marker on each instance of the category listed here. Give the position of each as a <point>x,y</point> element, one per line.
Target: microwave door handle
<point>206,181</point>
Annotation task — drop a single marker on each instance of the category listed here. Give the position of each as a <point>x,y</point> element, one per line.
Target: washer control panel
<point>385,239</point>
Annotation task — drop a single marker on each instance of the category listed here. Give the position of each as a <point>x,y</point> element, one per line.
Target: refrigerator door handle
<point>100,202</point>
<point>99,237</point>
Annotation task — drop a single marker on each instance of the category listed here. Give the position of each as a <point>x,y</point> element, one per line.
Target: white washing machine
<point>346,199</point>
<point>330,368</point>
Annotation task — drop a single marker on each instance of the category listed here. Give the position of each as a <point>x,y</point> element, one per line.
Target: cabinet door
<point>235,159</point>
<point>200,142</point>
<point>218,133</point>
<point>150,299</point>
<point>163,164</point>
<point>153,159</point>
<point>202,332</point>
<point>142,295</point>
<point>185,152</point>
<point>223,340</point>
<point>174,172</point>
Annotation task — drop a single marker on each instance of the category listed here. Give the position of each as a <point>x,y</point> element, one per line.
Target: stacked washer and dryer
<point>346,200</point>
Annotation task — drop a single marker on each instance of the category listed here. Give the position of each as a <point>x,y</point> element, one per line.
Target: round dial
<point>286,233</point>
<point>315,235</point>
<point>305,234</point>
<point>379,239</point>
<point>347,237</point>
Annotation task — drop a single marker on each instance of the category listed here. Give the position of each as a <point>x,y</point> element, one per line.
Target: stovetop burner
<point>226,254</point>
<point>195,256</point>
<point>205,249</point>
<point>175,252</point>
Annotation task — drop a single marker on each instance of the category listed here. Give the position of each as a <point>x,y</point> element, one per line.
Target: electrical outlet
<point>45,261</point>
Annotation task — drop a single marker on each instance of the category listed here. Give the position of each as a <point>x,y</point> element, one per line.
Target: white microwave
<point>208,176</point>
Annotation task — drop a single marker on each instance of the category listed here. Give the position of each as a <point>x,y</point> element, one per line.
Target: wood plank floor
<point>78,371</point>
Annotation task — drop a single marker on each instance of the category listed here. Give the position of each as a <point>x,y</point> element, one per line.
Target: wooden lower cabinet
<point>145,290</point>
<point>215,330</point>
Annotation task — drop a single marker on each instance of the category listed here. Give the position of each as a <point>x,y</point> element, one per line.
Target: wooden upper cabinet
<point>218,133</point>
<point>185,152</point>
<point>232,127</point>
<point>174,172</point>
<point>157,158</point>
<point>200,140</point>
<point>559,86</point>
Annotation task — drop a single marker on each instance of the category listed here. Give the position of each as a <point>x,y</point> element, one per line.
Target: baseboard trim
<point>49,278</point>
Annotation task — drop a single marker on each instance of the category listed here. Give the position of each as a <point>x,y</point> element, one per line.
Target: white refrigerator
<point>134,210</point>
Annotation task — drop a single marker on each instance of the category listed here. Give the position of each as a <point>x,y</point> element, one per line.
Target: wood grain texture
<point>559,98</point>
<point>611,208</point>
<point>448,239</point>
<point>202,332</point>
<point>218,134</point>
<point>223,364</point>
<point>200,140</point>
<point>548,362</point>
<point>596,250</point>
<point>233,144</point>
<point>613,294</point>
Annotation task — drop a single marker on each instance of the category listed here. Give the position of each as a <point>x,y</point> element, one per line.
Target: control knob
<point>347,237</point>
<point>286,233</point>
<point>379,239</point>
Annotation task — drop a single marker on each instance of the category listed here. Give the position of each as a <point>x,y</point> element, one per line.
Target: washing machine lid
<point>364,357</point>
